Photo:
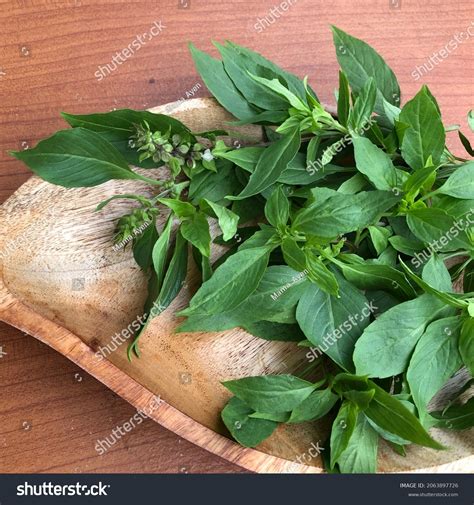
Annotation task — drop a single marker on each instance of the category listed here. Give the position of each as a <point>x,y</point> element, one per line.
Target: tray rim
<point>18,315</point>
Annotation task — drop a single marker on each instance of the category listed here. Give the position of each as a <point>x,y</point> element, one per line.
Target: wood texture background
<point>52,413</point>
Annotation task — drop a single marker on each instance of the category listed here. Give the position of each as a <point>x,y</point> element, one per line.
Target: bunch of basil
<point>367,208</point>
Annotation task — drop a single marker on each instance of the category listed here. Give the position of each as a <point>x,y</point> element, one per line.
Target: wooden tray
<point>62,282</point>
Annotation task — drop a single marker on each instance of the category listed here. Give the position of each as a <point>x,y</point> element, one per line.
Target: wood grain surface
<point>50,51</point>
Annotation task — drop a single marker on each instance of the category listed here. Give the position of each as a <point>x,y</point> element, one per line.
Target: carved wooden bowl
<point>62,282</point>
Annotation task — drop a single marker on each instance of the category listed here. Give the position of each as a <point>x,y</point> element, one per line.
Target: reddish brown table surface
<point>51,412</point>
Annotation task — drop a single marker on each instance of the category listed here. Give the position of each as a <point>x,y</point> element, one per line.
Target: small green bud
<point>156,135</point>
<point>176,139</point>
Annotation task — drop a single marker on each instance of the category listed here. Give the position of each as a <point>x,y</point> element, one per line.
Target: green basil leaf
<point>320,274</point>
<point>175,275</point>
<point>196,231</point>
<point>227,219</point>
<point>237,68</point>
<point>276,86</point>
<point>353,185</point>
<point>342,430</point>
<point>344,382</point>
<point>343,213</point>
<point>466,344</point>
<point>143,246</point>
<point>405,245</point>
<point>293,254</point>
<point>277,208</point>
<point>315,406</point>
<point>454,207</point>
<point>172,283</point>
<point>334,324</point>
<point>269,330</point>
<point>281,417</point>
<point>418,180</point>
<point>276,296</point>
<point>465,142</point>
<point>385,347</point>
<point>457,417</point>
<point>248,431</point>
<point>436,274</point>
<point>425,136</point>
<point>180,208</point>
<point>360,398</point>
<point>379,236</point>
<point>375,164</point>
<point>160,251</point>
<point>214,186</point>
<point>273,117</point>
<point>435,360</point>
<point>296,173</point>
<point>260,238</point>
<point>343,99</point>
<point>449,299</point>
<point>378,277</point>
<point>264,67</point>
<point>360,62</point>
<point>438,229</point>
<point>363,106</point>
<point>271,393</point>
<point>220,84</point>
<point>245,157</point>
<point>390,414</point>
<point>231,283</point>
<point>360,455</point>
<point>118,126</point>
<point>390,437</point>
<point>460,183</point>
<point>271,164</point>
<point>121,123</point>
<point>77,158</point>
<point>274,300</point>
<point>207,322</point>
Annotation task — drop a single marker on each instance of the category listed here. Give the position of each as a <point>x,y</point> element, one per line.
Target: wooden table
<point>51,52</point>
